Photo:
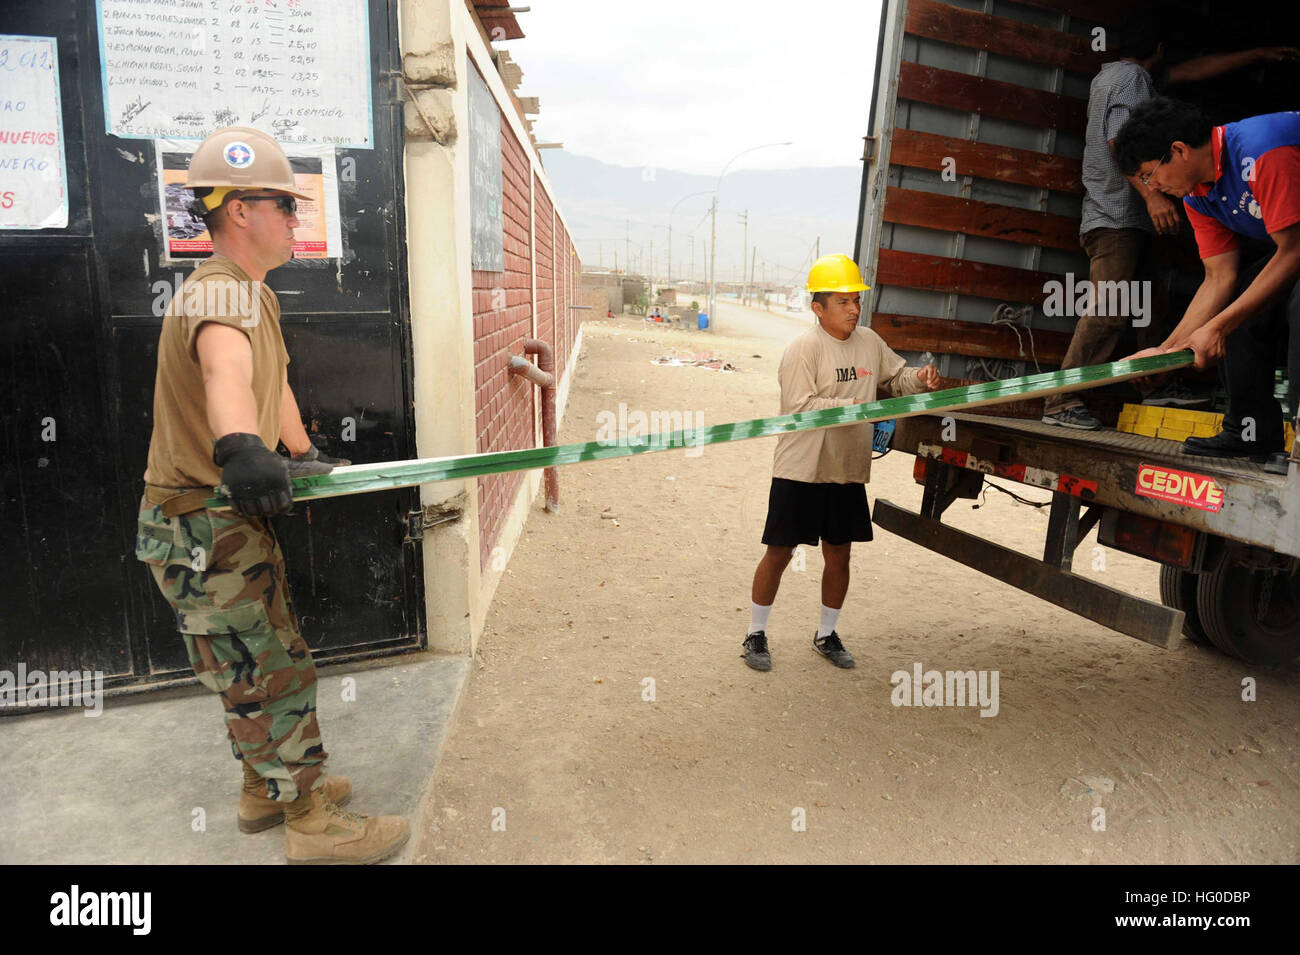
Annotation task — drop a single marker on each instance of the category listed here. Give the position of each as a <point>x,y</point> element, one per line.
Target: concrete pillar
<point>437,214</point>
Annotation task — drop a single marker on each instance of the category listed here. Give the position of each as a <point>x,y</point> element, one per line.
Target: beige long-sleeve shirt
<point>820,371</point>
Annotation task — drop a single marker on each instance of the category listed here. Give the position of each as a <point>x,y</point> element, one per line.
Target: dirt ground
<point>558,755</point>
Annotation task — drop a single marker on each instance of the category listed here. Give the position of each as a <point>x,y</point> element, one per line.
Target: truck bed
<point>1103,467</point>
<point>1148,448</point>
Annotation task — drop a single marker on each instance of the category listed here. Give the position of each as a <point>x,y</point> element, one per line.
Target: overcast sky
<point>686,84</point>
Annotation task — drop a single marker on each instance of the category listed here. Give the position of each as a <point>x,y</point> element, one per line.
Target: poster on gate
<point>319,233</point>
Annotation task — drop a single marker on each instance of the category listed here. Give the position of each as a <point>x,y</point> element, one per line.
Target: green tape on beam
<point>364,478</point>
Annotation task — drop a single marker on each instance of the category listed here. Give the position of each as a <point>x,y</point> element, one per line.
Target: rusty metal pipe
<point>526,369</point>
<point>543,375</point>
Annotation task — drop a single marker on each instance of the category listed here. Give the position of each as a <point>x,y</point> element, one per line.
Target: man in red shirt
<point>1240,185</point>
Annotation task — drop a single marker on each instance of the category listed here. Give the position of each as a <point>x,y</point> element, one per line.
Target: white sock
<point>829,618</point>
<point>758,617</point>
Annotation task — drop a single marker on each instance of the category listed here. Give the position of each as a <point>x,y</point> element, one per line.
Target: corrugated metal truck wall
<point>973,186</point>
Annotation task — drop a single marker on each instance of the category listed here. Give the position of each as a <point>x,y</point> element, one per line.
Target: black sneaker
<point>1226,444</point>
<point>831,648</point>
<point>1176,394</point>
<point>756,655</point>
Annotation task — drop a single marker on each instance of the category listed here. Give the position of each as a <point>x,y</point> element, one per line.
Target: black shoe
<point>756,655</point>
<point>1225,444</point>
<point>1176,394</point>
<point>1279,462</point>
<point>831,648</point>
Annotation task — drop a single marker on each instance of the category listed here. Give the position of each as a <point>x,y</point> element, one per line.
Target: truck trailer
<point>969,211</point>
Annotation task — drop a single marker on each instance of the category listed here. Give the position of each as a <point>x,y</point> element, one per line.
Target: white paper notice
<point>178,69</point>
<point>33,176</point>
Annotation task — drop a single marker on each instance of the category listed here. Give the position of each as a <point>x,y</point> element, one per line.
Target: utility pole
<point>692,258</point>
<point>744,284</point>
<point>713,241</point>
<point>627,245</point>
<point>752,259</point>
<point>818,254</point>
<point>650,276</point>
<point>713,262</point>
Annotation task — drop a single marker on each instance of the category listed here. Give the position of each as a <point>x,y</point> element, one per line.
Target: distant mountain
<point>788,210</point>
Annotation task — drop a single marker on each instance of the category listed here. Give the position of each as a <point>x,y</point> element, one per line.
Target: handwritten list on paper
<point>33,173</point>
<point>178,69</point>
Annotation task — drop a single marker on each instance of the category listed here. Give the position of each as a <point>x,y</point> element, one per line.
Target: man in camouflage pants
<point>232,610</point>
<point>222,403</point>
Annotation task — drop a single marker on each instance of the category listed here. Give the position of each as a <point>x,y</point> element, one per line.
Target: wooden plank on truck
<point>942,274</point>
<point>1013,38</point>
<point>961,91</point>
<point>992,161</point>
<point>976,339</point>
<point>1093,11</point>
<point>990,220</point>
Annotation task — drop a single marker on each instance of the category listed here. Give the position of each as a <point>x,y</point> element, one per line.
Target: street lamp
<point>713,244</point>
<point>702,192</point>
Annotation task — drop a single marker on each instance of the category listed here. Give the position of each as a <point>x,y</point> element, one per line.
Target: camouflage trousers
<point>223,575</point>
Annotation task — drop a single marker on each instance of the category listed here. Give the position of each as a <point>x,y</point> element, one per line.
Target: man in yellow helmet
<point>221,406</point>
<point>819,477</point>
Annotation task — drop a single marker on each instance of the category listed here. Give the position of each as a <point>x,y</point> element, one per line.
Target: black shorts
<point>802,513</point>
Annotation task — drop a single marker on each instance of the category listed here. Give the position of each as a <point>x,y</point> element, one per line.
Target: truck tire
<point>1178,592</point>
<point>1250,613</point>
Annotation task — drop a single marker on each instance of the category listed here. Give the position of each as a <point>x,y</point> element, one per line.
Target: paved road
<point>778,326</point>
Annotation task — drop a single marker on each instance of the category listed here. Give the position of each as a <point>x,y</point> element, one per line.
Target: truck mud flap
<point>1149,622</point>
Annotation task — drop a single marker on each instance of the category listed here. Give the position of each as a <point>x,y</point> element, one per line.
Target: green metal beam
<point>363,478</point>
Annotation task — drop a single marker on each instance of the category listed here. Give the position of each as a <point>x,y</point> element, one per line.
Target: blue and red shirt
<point>1256,188</point>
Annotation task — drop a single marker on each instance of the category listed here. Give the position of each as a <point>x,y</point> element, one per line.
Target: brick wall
<point>561,296</point>
<point>545,267</point>
<point>564,332</point>
<point>503,318</point>
<point>575,295</point>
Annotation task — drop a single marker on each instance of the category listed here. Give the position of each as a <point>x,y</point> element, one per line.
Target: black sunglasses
<point>288,204</point>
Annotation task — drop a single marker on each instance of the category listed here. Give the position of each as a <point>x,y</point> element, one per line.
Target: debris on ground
<point>710,361</point>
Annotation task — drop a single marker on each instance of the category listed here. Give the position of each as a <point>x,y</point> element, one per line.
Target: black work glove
<point>314,461</point>
<point>253,477</point>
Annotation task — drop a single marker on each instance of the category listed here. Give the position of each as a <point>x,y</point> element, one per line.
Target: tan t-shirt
<point>180,450</point>
<point>820,371</point>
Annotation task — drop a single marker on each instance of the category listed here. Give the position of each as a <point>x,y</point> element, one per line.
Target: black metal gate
<point>78,340</point>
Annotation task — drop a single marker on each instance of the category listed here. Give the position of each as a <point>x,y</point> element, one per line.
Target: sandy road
<point>757,324</point>
<point>560,740</point>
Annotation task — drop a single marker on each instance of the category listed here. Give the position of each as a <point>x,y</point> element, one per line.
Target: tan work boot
<point>317,832</point>
<point>258,811</point>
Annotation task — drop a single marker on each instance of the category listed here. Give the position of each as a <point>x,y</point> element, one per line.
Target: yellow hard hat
<point>239,157</point>
<point>835,273</point>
